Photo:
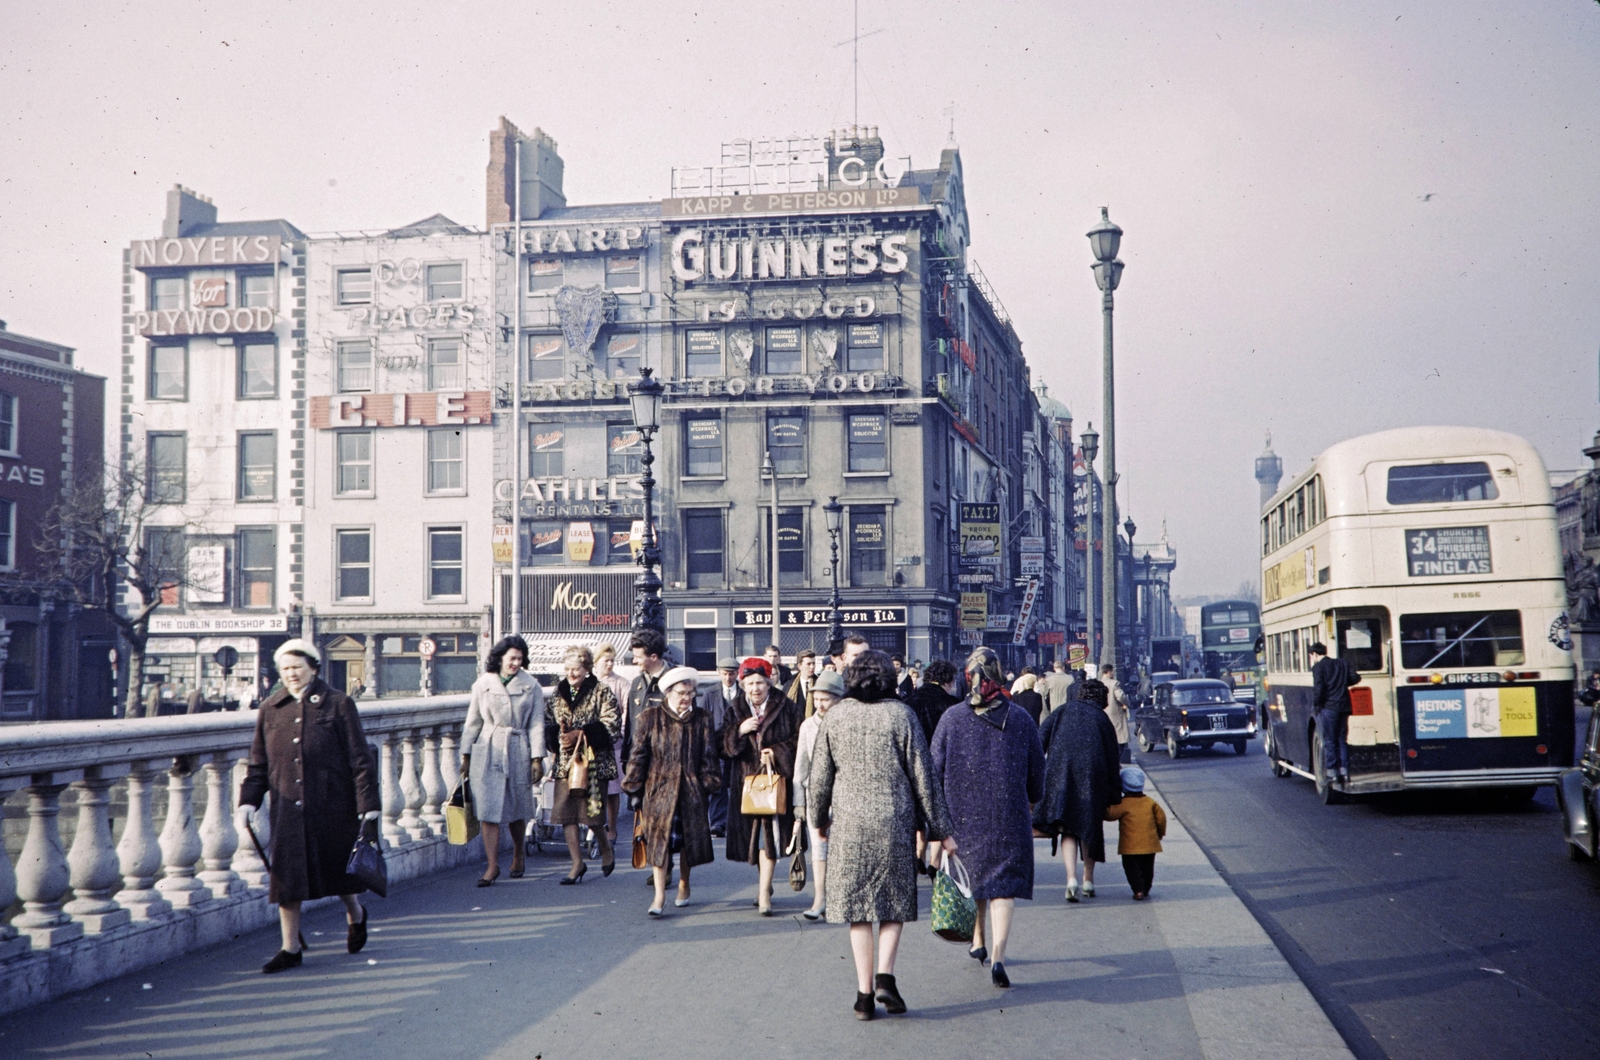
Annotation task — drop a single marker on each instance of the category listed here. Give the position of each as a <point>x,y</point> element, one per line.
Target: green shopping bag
<point>954,911</point>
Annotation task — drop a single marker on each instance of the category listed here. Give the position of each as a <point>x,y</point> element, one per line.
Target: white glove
<point>242,816</point>
<point>370,815</point>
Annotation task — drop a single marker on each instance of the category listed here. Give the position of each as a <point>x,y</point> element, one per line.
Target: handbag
<point>955,914</point>
<point>460,820</point>
<point>641,858</point>
<point>366,863</point>
<point>578,770</point>
<point>765,794</point>
<point>797,864</point>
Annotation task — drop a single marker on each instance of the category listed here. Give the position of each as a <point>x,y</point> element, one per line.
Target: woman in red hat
<point>763,728</point>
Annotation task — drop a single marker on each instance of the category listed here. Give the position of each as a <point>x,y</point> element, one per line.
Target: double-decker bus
<point>1427,558</point>
<point>1229,630</point>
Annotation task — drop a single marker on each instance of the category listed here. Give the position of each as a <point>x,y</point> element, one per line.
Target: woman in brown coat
<point>310,753</point>
<point>763,727</point>
<point>673,767</point>
<point>590,723</point>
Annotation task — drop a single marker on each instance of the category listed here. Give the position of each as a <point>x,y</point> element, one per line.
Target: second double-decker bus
<point>1427,558</point>
<point>1229,630</point>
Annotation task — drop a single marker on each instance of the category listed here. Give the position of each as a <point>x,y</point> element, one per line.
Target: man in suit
<point>719,703</point>
<point>1330,697</point>
<point>781,674</point>
<point>805,679</point>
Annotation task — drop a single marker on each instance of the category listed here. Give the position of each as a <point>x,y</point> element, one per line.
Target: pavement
<point>533,971</point>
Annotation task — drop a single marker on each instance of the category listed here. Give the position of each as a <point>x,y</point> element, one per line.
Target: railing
<point>106,907</point>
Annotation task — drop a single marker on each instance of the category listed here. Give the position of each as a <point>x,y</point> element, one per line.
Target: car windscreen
<point>1193,697</point>
<point>1441,483</point>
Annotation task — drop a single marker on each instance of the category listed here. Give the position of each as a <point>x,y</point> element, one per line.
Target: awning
<point>546,650</point>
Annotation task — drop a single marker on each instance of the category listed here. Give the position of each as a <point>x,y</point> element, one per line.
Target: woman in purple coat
<point>987,758</point>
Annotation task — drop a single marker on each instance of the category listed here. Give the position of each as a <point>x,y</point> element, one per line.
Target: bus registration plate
<point>1490,678</point>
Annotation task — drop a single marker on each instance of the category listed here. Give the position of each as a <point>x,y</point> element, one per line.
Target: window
<point>354,286</point>
<point>446,283</point>
<point>869,442</point>
<point>1454,639</point>
<point>169,373</point>
<point>22,664</point>
<point>786,441</point>
<point>1200,696</point>
<point>446,460</point>
<point>446,367</point>
<point>8,424</point>
<point>619,546</point>
<point>865,348</point>
<point>622,356</point>
<point>702,536</point>
<point>622,274</point>
<point>258,370</point>
<point>257,549</point>
<point>255,288</point>
<point>1441,483</point>
<point>547,451</point>
<point>545,275</point>
<point>400,665</point>
<point>353,552</point>
<point>545,545</point>
<point>702,353</point>
<point>784,351</point>
<point>791,547</point>
<point>166,292</point>
<point>544,357</point>
<point>1360,642</point>
<point>455,662</point>
<point>163,559</point>
<point>869,542</point>
<point>702,446</point>
<point>166,479</point>
<point>355,462</point>
<point>624,447</point>
<point>258,466</point>
<point>8,535</point>
<point>446,573</point>
<point>355,367</point>
<point>700,648</point>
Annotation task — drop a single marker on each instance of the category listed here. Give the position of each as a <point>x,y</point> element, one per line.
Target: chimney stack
<point>187,210</point>
<point>542,174</point>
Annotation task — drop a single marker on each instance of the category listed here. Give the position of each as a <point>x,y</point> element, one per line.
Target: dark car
<point>1195,712</point>
<point>1577,797</point>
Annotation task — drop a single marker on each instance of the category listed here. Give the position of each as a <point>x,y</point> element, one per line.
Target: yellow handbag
<point>460,820</point>
<point>765,794</point>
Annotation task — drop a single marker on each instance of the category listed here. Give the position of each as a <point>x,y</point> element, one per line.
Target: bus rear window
<point>1441,483</point>
<point>1461,639</point>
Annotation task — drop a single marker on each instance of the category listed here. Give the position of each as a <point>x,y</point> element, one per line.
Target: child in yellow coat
<point>1141,825</point>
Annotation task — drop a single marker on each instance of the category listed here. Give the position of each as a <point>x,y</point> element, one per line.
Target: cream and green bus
<point>1427,558</point>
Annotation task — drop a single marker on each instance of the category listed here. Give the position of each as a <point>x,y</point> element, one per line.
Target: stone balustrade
<point>109,906</point>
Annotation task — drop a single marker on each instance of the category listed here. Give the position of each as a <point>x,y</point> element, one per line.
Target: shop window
<point>547,275</point>
<point>258,370</point>
<point>547,443</point>
<point>169,373</point>
<point>791,546</point>
<point>545,545</point>
<point>624,447</point>
<point>255,289</point>
<point>353,550</point>
<point>869,442</point>
<point>258,466</point>
<point>355,367</point>
<point>622,356</point>
<point>446,562</point>
<point>619,542</point>
<point>354,286</point>
<point>622,273</point>
<point>447,368</point>
<point>869,546</point>
<point>355,462</point>
<point>446,460</point>
<point>166,292</point>
<point>702,353</point>
<point>544,357</point>
<point>446,283</point>
<point>8,424</point>
<point>455,662</point>
<point>400,665</point>
<point>865,352</point>
<point>22,662</point>
<point>702,537</point>
<point>786,441</point>
<point>700,648</point>
<point>257,551</point>
<point>785,353</point>
<point>166,468</point>
<point>8,535</point>
<point>702,446</point>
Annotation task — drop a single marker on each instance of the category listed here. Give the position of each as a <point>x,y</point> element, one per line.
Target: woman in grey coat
<point>504,751</point>
<point>871,782</point>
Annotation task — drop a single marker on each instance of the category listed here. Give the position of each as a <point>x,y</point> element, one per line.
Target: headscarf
<point>755,665</point>
<point>983,674</point>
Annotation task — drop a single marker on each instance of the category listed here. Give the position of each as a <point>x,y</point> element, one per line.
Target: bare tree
<point>112,534</point>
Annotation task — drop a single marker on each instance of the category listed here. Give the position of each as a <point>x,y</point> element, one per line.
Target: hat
<point>727,663</point>
<point>297,647</point>
<point>754,665</point>
<point>677,675</point>
<point>1132,779</point>
<point>829,681</point>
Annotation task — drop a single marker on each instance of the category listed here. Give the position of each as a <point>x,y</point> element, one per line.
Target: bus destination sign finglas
<point>1448,550</point>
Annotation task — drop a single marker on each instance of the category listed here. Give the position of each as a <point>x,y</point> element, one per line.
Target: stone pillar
<point>138,854</point>
<point>219,840</point>
<point>433,790</point>
<point>450,757</point>
<point>246,861</point>
<point>95,874</point>
<point>12,944</point>
<point>394,802</point>
<point>411,789</point>
<point>370,687</point>
<point>180,840</point>
<point>42,872</point>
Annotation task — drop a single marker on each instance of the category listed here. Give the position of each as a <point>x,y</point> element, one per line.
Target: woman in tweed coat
<point>871,782</point>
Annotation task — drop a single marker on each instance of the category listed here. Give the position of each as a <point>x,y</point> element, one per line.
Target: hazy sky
<point>1269,163</point>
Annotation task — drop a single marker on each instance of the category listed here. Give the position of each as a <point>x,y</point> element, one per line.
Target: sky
<point>1339,218</point>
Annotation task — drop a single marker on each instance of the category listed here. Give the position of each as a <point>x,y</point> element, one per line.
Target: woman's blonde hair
<point>584,655</point>
<point>603,651</point>
<point>1026,682</point>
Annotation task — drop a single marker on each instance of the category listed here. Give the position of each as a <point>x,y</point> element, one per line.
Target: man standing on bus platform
<point>1330,696</point>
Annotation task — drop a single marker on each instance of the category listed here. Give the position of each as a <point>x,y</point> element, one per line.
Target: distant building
<point>1269,471</point>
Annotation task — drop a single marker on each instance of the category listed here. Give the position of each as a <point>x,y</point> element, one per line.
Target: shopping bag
<point>578,770</point>
<point>460,821</point>
<point>797,864</point>
<point>765,794</point>
<point>366,863</point>
<point>955,914</point>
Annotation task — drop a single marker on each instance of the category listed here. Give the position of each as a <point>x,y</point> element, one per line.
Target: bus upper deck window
<point>1441,483</point>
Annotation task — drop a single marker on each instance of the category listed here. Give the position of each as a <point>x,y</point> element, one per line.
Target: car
<point>1194,713</point>
<point>1163,677</point>
<point>1577,796</point>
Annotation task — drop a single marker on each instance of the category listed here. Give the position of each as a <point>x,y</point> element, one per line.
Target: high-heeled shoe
<point>608,867</point>
<point>484,881</point>
<point>516,873</point>
<point>997,975</point>
<point>980,954</point>
<point>567,881</point>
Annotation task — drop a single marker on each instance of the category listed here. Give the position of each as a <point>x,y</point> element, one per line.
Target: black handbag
<point>366,863</point>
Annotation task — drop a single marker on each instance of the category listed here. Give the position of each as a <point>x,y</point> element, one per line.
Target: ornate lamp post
<point>770,471</point>
<point>1091,449</point>
<point>1104,240</point>
<point>648,613</point>
<point>833,511</point>
<point>1133,597</point>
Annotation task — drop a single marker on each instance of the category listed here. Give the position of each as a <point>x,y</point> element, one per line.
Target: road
<point>1428,926</point>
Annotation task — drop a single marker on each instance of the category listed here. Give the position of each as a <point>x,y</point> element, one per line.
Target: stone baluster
<point>393,801</point>
<point>450,757</point>
<point>369,662</point>
<point>180,840</point>
<point>12,943</point>
<point>219,839</point>
<point>411,787</point>
<point>139,854</point>
<point>433,789</point>
<point>92,862</point>
<point>42,872</point>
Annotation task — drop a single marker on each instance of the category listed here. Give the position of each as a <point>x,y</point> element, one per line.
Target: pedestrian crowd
<point>862,772</point>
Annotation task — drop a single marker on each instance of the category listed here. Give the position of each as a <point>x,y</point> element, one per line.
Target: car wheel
<point>1144,741</point>
<point>1326,792</point>
<point>1174,748</point>
<point>1241,746</point>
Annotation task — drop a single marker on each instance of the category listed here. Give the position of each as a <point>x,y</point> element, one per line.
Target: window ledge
<point>866,474</point>
<point>369,496</point>
<point>356,601</point>
<point>705,478</point>
<point>447,599</point>
<point>444,493</point>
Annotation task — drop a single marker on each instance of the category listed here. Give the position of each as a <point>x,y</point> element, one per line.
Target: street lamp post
<point>1104,240</point>
<point>770,470</point>
<point>833,511</point>
<point>1133,597</point>
<point>644,394</point>
<point>1091,449</point>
